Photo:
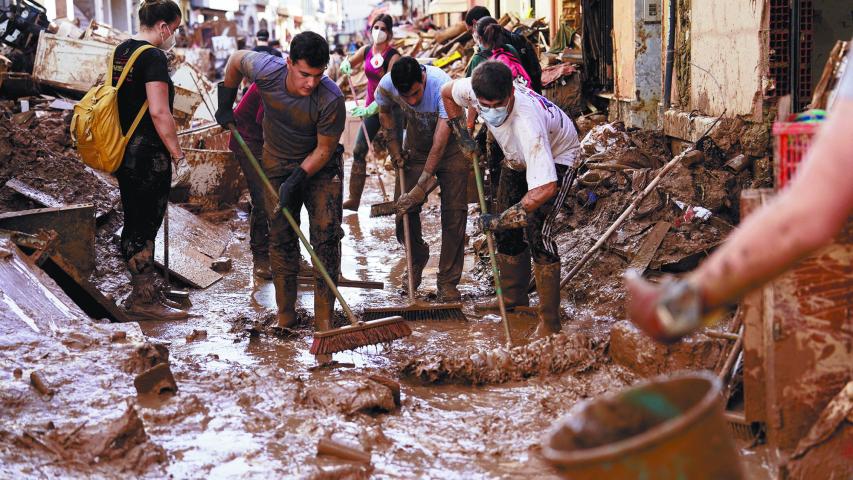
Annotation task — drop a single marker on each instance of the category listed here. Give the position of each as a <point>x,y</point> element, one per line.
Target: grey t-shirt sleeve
<point>333,118</point>
<point>261,69</point>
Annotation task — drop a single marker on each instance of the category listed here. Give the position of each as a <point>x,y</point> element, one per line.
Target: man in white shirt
<point>540,146</point>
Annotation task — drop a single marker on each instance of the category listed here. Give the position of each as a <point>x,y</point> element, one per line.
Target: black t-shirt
<point>268,50</point>
<point>151,66</point>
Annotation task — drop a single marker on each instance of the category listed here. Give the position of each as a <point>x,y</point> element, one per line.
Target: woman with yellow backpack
<point>145,173</point>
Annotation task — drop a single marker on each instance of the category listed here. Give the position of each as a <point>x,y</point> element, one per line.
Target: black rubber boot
<point>515,281</point>
<point>144,303</point>
<point>548,286</point>
<point>261,267</point>
<point>285,300</point>
<point>357,178</point>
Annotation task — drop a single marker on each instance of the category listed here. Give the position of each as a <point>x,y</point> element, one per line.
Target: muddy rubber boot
<point>357,178</point>
<point>285,301</point>
<point>515,281</point>
<point>143,303</point>
<point>448,293</point>
<point>548,286</point>
<point>418,278</point>
<point>261,267</point>
<point>324,313</point>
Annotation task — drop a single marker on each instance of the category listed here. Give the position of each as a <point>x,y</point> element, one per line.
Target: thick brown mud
<point>450,401</point>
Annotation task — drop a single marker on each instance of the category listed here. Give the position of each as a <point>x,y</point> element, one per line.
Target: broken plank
<point>194,244</point>
<point>345,282</point>
<point>75,225</point>
<point>97,305</point>
<point>33,193</point>
<point>650,245</point>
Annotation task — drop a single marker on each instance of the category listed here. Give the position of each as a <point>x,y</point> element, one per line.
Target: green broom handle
<point>318,264</point>
<point>490,240</point>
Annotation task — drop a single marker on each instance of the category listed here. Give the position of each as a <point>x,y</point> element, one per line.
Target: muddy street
<point>259,419</point>
<point>250,403</point>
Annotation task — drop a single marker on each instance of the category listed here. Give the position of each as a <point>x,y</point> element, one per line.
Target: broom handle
<point>369,143</point>
<point>401,174</point>
<point>490,240</point>
<point>318,264</point>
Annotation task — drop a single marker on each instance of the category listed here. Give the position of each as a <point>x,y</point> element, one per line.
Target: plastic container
<point>791,142</point>
<point>668,428</point>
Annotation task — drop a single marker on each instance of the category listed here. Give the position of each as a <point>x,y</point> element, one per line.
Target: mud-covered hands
<point>291,186</point>
<point>513,217</point>
<point>225,109</point>
<point>468,145</point>
<point>417,195</point>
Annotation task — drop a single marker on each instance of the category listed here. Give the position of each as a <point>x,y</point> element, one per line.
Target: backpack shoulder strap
<point>136,120</point>
<point>129,63</point>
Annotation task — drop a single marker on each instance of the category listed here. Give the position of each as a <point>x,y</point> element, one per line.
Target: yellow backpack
<point>95,126</point>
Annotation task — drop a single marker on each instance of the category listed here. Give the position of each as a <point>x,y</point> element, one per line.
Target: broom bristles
<point>415,313</point>
<point>362,335</point>
<point>383,209</point>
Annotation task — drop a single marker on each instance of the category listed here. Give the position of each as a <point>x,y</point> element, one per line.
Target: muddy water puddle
<point>242,411</point>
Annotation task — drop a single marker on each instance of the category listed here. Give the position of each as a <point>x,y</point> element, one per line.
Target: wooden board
<point>31,304</point>
<point>193,245</point>
<point>650,245</point>
<point>75,225</point>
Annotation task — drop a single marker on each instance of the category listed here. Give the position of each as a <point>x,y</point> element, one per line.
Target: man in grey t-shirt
<point>304,117</point>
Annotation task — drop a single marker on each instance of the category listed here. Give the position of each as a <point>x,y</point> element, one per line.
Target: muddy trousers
<point>144,180</point>
<point>322,197</point>
<point>452,177</point>
<point>511,189</point>
<point>258,227</point>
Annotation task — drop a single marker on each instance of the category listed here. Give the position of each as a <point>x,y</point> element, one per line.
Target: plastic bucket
<point>666,428</point>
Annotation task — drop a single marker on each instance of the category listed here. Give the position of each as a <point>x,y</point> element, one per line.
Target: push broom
<point>490,240</point>
<point>358,333</point>
<point>385,208</point>
<point>414,310</point>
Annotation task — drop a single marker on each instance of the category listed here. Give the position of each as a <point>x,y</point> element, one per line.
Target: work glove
<point>468,145</point>
<point>225,109</point>
<point>346,68</point>
<point>513,217</point>
<point>367,111</point>
<point>392,163</point>
<point>291,186</point>
<point>417,195</point>
<point>667,311</point>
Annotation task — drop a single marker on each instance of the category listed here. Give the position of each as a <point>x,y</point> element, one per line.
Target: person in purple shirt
<point>378,58</point>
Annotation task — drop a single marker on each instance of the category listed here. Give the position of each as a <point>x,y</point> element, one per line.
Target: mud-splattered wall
<point>637,66</point>
<point>728,57</point>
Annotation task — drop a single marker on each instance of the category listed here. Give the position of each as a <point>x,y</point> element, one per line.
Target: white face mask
<point>494,116</point>
<point>378,35</point>
<point>169,42</point>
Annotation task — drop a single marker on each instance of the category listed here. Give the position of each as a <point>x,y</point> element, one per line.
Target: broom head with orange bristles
<point>362,334</point>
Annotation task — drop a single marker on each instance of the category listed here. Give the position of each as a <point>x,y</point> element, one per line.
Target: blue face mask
<point>494,116</point>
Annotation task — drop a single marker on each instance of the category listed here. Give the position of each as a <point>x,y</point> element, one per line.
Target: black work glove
<point>513,217</point>
<point>291,186</point>
<point>468,145</point>
<point>225,109</point>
